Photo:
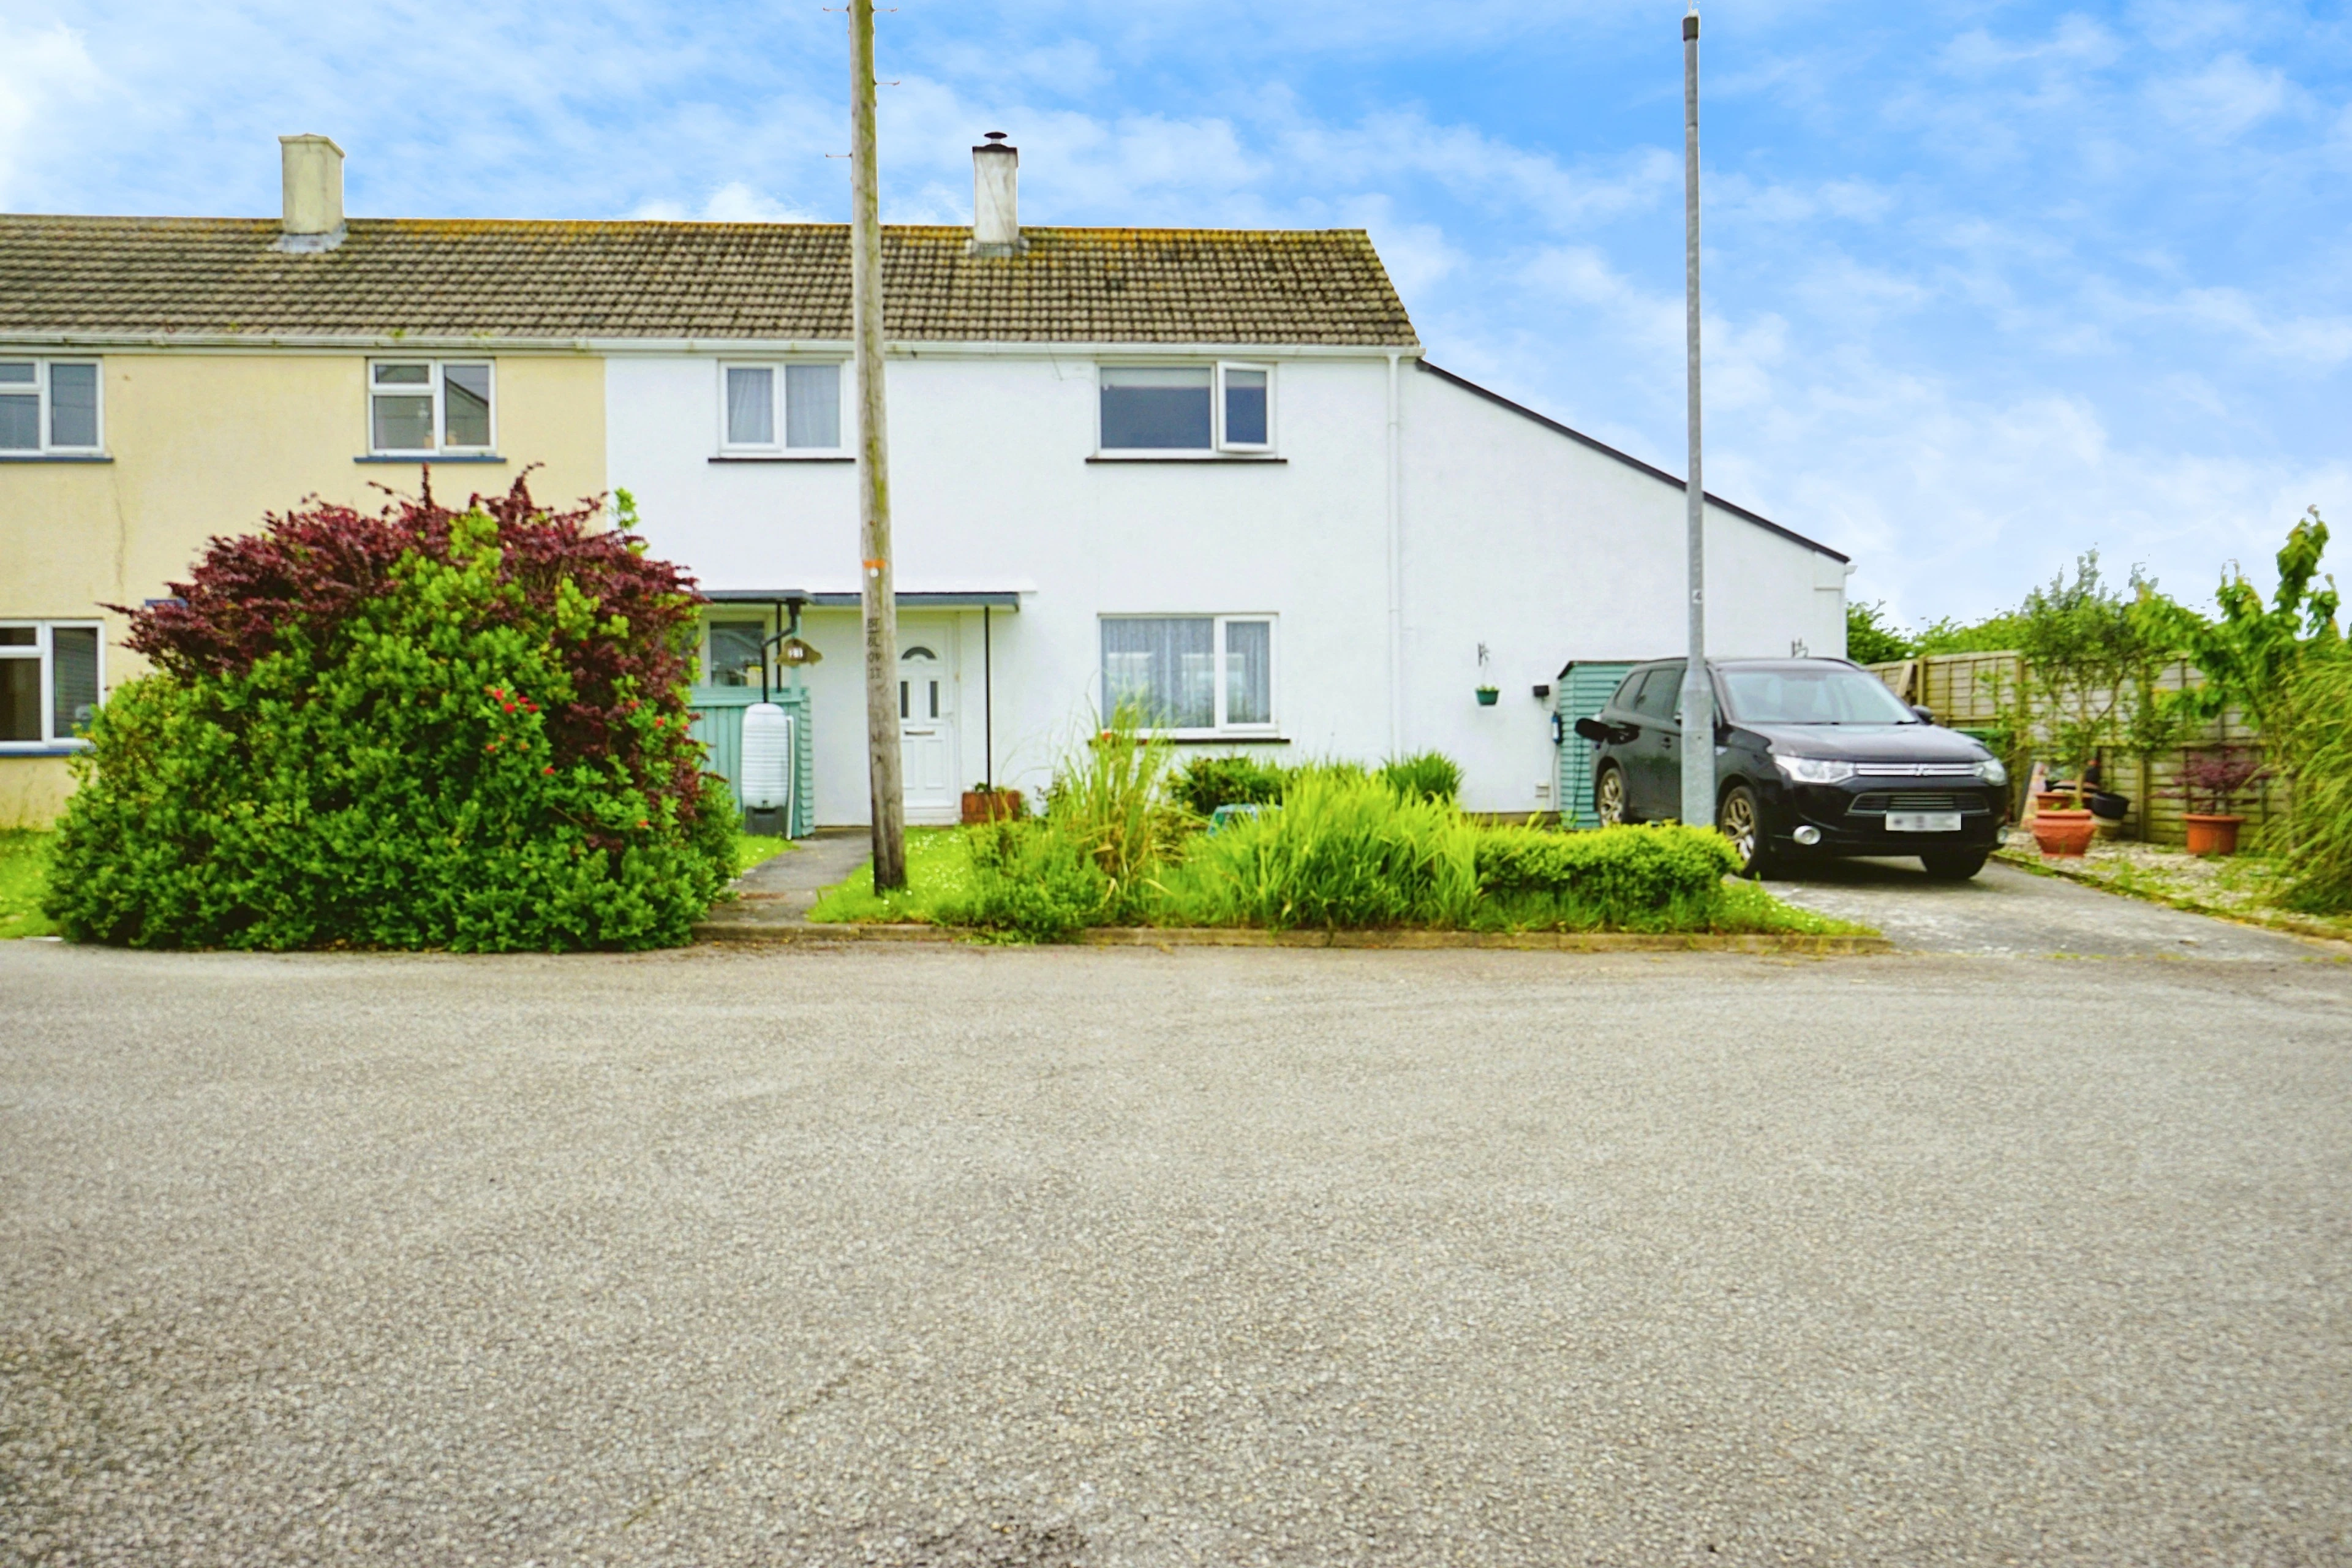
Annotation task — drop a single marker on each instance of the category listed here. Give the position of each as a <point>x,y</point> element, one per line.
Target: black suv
<point>1812,757</point>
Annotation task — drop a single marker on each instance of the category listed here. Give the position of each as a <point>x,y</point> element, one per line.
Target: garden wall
<point>1972,690</point>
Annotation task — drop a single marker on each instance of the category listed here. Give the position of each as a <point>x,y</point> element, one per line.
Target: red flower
<point>547,770</point>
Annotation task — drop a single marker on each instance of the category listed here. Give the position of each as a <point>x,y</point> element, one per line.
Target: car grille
<point>1904,800</point>
<point>1917,770</point>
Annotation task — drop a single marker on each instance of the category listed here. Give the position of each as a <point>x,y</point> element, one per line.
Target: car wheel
<point>1609,795</point>
<point>1738,820</point>
<point>1953,865</point>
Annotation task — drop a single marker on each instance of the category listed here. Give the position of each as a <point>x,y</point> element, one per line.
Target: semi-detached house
<point>1206,471</point>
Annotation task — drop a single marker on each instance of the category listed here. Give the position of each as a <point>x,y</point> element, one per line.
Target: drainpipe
<point>1396,560</point>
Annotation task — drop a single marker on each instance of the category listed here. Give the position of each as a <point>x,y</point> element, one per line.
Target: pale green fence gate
<point>1582,691</point>
<point>718,724</point>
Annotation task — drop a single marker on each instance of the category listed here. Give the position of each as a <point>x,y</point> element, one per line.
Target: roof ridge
<point>755,226</point>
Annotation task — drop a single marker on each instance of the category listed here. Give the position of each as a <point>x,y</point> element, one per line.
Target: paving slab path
<point>780,891</point>
<point>962,1258</point>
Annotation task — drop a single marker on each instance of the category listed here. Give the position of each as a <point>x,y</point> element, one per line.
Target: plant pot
<point>2109,807</point>
<point>990,805</point>
<point>2055,799</point>
<point>2063,835</point>
<point>2212,834</point>
<point>1488,696</point>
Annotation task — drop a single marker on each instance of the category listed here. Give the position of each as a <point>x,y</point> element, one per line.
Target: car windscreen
<point>1826,695</point>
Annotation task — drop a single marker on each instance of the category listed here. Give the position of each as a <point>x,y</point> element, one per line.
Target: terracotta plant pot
<point>2211,834</point>
<point>2064,834</point>
<point>2055,799</point>
<point>990,805</point>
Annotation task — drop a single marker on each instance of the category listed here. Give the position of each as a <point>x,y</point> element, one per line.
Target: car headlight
<point>1991,772</point>
<point>1813,770</point>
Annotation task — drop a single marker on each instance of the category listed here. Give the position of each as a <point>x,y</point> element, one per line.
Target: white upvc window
<point>48,682</point>
<point>1190,675</point>
<point>1176,409</point>
<point>417,408</point>
<point>780,408</point>
<point>49,406</point>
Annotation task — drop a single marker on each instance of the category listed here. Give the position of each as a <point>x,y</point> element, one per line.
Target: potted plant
<point>2093,654</point>
<point>1489,695</point>
<point>985,801</point>
<point>2219,776</point>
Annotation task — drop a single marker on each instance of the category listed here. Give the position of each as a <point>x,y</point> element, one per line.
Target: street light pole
<point>1699,692</point>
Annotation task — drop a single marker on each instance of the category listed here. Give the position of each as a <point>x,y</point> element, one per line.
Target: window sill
<point>33,748</point>
<point>1237,740</point>
<point>1188,457</point>
<point>438,459</point>
<point>785,457</point>
<point>57,457</point>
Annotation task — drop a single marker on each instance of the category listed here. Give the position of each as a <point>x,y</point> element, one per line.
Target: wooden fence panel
<point>1972,690</point>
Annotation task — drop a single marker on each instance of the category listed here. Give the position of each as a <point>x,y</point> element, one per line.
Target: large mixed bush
<point>421,728</point>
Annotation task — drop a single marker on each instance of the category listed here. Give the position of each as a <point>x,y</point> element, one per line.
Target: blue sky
<point>1988,285</point>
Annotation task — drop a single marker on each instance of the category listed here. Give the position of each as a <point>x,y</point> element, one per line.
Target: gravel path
<point>2004,910</point>
<point>974,1257</point>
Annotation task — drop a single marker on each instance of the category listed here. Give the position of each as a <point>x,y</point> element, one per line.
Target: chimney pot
<point>313,167</point>
<point>995,198</point>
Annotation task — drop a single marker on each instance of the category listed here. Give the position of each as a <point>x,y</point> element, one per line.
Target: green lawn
<point>939,873</point>
<point>24,874</point>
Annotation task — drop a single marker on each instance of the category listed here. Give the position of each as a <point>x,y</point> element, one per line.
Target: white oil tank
<point>767,781</point>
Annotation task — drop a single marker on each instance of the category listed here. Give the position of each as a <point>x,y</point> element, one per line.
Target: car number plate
<point>1923,822</point>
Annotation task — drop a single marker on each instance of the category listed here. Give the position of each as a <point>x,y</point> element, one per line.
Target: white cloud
<point>2223,101</point>
<point>39,70</point>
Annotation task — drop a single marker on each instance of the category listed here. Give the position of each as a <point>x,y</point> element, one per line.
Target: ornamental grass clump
<point>1341,851</point>
<point>2319,860</point>
<point>421,729</point>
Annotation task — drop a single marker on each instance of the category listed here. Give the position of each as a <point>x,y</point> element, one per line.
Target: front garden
<point>1127,839</point>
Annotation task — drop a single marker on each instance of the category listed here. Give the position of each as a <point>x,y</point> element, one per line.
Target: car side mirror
<point>1594,730</point>
<point>1926,715</point>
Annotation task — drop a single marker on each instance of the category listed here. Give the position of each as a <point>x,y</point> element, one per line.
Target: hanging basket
<point>1489,695</point>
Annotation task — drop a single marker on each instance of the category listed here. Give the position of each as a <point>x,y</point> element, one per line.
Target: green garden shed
<point>1581,691</point>
<point>718,724</point>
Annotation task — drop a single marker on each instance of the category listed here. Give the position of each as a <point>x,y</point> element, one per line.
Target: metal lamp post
<point>1698,693</point>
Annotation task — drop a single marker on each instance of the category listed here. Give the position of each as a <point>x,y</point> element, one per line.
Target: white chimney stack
<point>313,168</point>
<point>995,198</point>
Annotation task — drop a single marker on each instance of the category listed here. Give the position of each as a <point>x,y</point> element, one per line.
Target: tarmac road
<point>954,1256</point>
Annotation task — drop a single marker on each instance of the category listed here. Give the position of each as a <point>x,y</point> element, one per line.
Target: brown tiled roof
<point>436,278</point>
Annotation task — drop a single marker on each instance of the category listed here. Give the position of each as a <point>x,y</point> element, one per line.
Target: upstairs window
<point>48,682</point>
<point>1187,408</point>
<point>1190,674</point>
<point>48,406</point>
<point>418,408</point>
<point>777,409</point>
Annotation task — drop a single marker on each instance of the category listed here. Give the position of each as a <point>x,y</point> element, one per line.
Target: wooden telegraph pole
<point>879,597</point>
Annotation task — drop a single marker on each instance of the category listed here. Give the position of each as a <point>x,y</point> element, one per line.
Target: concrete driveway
<point>2005,911</point>
<point>953,1257</point>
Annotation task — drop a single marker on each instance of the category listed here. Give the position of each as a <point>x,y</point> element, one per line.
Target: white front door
<point>927,747</point>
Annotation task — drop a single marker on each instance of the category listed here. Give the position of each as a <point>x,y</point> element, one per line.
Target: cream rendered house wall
<point>206,443</point>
